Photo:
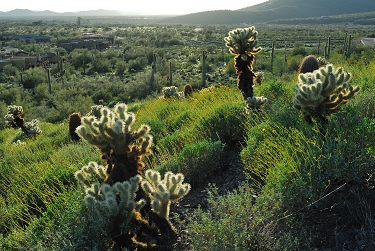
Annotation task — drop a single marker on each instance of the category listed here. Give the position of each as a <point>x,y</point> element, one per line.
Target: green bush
<point>196,161</point>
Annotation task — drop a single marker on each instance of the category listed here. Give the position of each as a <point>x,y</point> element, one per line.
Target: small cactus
<point>74,122</point>
<point>188,90</point>
<point>323,91</point>
<point>15,120</point>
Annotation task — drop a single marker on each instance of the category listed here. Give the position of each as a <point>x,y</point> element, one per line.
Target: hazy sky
<point>145,6</point>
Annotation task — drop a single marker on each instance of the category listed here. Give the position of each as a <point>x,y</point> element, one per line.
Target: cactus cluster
<point>112,192</point>
<point>15,120</point>
<point>255,102</point>
<point>114,204</point>
<point>14,117</point>
<point>164,191</point>
<point>31,128</point>
<point>172,91</point>
<point>323,91</point>
<point>243,43</point>
<point>122,148</point>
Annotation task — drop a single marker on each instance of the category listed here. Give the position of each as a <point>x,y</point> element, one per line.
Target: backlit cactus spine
<point>15,120</point>
<point>114,205</point>
<point>164,191</point>
<point>14,117</point>
<point>122,148</point>
<point>322,92</point>
<point>242,43</point>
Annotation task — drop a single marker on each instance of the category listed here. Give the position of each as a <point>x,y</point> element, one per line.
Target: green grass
<point>294,171</point>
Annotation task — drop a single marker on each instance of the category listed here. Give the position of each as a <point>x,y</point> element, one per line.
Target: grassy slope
<point>40,201</point>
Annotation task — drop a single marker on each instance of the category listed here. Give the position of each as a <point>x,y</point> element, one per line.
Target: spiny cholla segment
<point>113,204</point>
<point>242,41</point>
<point>323,90</point>
<point>112,132</point>
<point>163,192</point>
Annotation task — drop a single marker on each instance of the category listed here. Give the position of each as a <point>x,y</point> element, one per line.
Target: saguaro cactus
<point>322,92</point>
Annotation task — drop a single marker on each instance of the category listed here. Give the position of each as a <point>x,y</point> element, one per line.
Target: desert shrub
<point>33,77</point>
<point>196,161</point>
<point>226,123</point>
<point>228,223</point>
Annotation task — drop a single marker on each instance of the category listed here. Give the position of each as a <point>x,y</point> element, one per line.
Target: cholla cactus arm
<point>95,111</point>
<point>89,173</point>
<point>163,192</point>
<point>171,91</point>
<point>114,204</point>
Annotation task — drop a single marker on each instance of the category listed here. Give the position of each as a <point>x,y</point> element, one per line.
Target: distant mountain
<point>274,10</point>
<point>47,13</point>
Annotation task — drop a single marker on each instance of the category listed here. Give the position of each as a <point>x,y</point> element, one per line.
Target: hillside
<point>274,10</point>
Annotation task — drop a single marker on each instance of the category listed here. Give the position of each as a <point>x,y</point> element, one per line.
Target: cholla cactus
<point>163,192</point>
<point>113,204</point>
<point>14,116</point>
<point>95,111</point>
<point>323,91</point>
<point>259,77</point>
<point>31,128</point>
<point>122,148</point>
<point>242,42</point>
<point>171,91</point>
<point>255,102</point>
<point>14,119</point>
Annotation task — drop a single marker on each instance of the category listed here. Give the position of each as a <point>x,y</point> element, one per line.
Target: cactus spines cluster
<point>172,91</point>
<point>14,116</point>
<point>95,111</point>
<point>242,42</point>
<point>122,148</point>
<point>255,102</point>
<point>15,120</point>
<point>323,91</point>
<point>164,191</point>
<point>31,128</point>
<point>114,204</point>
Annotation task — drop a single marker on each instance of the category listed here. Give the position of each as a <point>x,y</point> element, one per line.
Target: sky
<point>157,7</point>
